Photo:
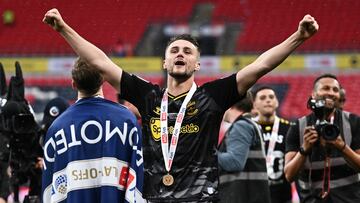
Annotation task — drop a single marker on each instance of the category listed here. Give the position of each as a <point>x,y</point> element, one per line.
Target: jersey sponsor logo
<point>83,174</point>
<point>191,109</point>
<point>61,184</point>
<point>156,130</point>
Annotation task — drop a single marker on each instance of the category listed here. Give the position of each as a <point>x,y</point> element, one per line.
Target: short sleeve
<point>135,90</point>
<point>224,91</point>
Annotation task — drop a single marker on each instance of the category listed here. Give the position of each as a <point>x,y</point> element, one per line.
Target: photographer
<point>323,148</point>
<point>20,130</point>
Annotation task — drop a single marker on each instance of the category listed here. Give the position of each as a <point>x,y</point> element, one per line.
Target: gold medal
<point>168,180</point>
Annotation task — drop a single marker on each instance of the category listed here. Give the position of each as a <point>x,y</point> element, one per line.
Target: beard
<point>180,75</point>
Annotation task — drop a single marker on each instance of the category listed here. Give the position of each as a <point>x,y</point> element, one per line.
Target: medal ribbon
<point>272,142</point>
<point>169,154</point>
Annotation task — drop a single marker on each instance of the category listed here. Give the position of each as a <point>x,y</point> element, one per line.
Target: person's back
<point>95,155</point>
<point>93,150</point>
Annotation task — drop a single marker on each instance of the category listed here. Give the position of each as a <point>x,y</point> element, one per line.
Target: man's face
<point>266,102</point>
<point>329,90</point>
<point>181,59</point>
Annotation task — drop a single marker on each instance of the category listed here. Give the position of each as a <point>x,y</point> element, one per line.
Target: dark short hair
<point>256,90</point>
<point>245,104</point>
<point>326,75</point>
<point>185,37</point>
<point>87,78</point>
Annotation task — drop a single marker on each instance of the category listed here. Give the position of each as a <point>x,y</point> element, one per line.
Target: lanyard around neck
<point>169,154</point>
<point>273,138</point>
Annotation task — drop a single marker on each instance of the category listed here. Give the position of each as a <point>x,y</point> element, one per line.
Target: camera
<point>19,133</point>
<point>325,129</point>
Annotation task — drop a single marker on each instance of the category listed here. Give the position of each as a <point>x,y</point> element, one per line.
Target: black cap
<point>53,109</point>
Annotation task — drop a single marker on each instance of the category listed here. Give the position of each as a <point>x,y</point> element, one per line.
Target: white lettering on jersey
<point>122,135</point>
<point>61,145</point>
<point>279,138</point>
<point>83,130</point>
<point>73,142</point>
<point>61,141</point>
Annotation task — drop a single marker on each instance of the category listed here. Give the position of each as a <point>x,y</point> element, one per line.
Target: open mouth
<point>179,63</point>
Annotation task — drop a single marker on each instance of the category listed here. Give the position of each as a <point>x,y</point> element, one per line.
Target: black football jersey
<point>279,150</point>
<point>195,168</point>
<point>280,188</point>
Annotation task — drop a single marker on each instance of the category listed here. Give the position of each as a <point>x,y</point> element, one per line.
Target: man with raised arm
<point>181,122</point>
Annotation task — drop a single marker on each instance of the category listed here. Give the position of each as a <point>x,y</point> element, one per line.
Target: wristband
<point>303,152</point>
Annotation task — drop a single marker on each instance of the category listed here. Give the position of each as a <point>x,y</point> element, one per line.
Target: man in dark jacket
<point>241,157</point>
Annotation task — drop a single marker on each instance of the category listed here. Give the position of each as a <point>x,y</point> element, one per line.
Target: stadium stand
<point>228,11</point>
<point>339,22</point>
<point>105,22</point>
<point>102,22</point>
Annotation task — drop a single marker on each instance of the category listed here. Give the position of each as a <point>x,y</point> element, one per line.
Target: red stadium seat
<point>264,23</point>
<point>101,22</point>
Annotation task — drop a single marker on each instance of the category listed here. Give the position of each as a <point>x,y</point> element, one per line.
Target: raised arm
<point>270,59</point>
<point>84,49</point>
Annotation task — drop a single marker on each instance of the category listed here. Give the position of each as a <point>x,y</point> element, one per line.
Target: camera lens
<point>329,131</point>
